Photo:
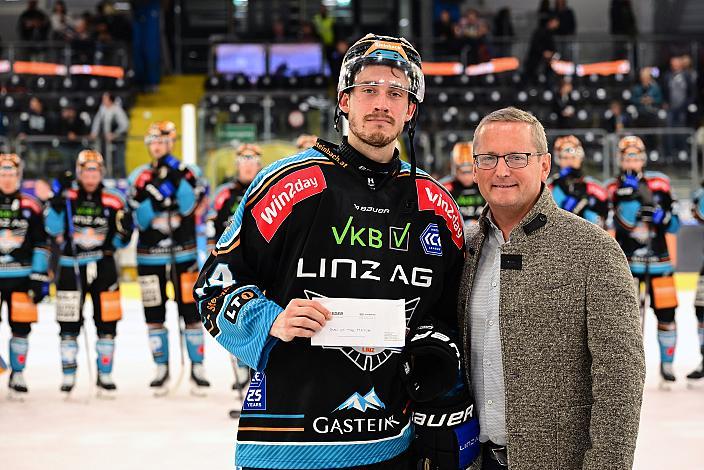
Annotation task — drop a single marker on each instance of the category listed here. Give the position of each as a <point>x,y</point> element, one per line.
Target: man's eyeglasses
<point>485,161</point>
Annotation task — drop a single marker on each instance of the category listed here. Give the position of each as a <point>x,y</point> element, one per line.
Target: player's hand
<point>300,319</point>
<point>162,195</point>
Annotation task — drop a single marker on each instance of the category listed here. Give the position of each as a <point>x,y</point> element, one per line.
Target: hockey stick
<point>645,293</point>
<point>239,386</point>
<point>177,291</point>
<point>79,287</point>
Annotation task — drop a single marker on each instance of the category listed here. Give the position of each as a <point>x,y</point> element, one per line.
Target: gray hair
<point>512,114</point>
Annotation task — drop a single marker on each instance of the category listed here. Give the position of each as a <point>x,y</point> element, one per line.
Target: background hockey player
<point>226,200</point>
<point>99,225</point>
<point>164,195</point>
<point>698,213</point>
<point>24,258</point>
<point>645,224</point>
<point>348,220</point>
<point>306,141</point>
<point>571,189</point>
<point>227,197</point>
<point>461,185</point>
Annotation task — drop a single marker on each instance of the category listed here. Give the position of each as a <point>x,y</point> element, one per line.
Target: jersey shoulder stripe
<point>274,172</point>
<point>112,199</point>
<point>221,195</point>
<point>137,173</point>
<point>31,203</point>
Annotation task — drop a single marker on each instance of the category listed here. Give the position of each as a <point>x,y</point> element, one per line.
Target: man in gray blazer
<point>550,317</point>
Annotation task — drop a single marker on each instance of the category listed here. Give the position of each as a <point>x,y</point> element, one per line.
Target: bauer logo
<point>277,203</point>
<point>256,393</point>
<point>432,198</point>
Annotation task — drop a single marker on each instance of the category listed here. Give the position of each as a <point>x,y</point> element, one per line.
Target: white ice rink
<point>138,431</point>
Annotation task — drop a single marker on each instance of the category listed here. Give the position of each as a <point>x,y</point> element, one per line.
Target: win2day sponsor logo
<point>433,198</point>
<point>354,235</point>
<point>278,202</point>
<point>356,404</point>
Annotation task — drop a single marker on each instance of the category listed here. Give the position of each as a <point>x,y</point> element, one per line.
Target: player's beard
<point>377,139</point>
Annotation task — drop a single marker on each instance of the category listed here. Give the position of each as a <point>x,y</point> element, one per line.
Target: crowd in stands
<point>86,33</point>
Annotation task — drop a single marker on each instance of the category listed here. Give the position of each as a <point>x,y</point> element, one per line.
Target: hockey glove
<point>38,287</point>
<point>654,215</point>
<point>567,171</point>
<point>629,185</point>
<point>58,187</point>
<point>447,432</point>
<point>161,195</point>
<point>430,362</point>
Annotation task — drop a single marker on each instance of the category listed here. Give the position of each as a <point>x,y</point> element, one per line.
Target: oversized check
<point>363,322</point>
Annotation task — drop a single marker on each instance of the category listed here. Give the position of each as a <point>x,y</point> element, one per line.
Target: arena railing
<point>62,53</point>
<point>640,51</point>
<point>673,151</point>
<point>48,156</point>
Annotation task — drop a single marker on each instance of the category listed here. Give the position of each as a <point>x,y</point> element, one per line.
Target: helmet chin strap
<point>411,138</point>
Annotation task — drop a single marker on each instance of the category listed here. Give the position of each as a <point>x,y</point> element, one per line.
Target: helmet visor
<point>384,54</point>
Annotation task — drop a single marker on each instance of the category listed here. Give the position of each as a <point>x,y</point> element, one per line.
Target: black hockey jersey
<point>23,240</point>
<point>225,202</point>
<point>162,229</point>
<point>328,222</point>
<point>101,224</point>
<point>469,199</point>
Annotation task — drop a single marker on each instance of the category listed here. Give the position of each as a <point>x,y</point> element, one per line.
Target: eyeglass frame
<point>478,156</point>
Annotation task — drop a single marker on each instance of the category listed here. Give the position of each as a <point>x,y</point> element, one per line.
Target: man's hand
<point>301,318</point>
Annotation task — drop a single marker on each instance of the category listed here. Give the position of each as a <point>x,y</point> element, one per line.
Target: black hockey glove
<point>447,431</point>
<point>38,287</point>
<point>58,187</point>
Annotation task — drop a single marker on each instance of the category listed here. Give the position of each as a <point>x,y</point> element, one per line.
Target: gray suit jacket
<point>572,346</point>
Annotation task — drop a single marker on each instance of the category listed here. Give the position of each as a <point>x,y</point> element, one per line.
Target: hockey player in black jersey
<point>227,197</point>
<point>348,221</point>
<point>462,186</point>
<point>698,213</point>
<point>571,189</point>
<point>99,225</point>
<point>306,141</point>
<point>164,195</point>
<point>24,259</point>
<point>645,224</point>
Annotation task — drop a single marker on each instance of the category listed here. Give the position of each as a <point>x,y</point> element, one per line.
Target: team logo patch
<point>238,301</point>
<point>432,198</point>
<point>430,240</point>
<point>256,393</point>
<point>277,203</point>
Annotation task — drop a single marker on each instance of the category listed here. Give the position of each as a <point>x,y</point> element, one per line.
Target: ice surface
<point>137,431</point>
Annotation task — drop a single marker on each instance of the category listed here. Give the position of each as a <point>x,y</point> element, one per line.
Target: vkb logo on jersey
<point>430,239</point>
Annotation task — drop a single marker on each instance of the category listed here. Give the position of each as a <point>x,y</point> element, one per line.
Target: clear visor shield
<point>571,153</point>
<point>7,169</point>
<point>148,139</point>
<point>633,153</point>
<point>91,167</point>
<point>408,78</point>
